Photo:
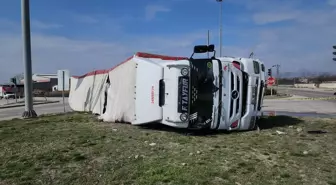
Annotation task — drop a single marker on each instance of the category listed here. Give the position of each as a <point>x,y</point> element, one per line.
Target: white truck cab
<point>191,93</point>
<point>251,73</point>
<point>232,94</point>
<point>202,93</point>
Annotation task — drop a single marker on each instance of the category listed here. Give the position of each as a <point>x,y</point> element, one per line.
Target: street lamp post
<point>334,52</point>
<point>28,83</point>
<point>220,27</point>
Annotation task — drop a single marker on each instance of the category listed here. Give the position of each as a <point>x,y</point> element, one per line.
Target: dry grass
<point>76,149</point>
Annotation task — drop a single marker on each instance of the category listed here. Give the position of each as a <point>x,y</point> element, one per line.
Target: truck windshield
<point>201,93</point>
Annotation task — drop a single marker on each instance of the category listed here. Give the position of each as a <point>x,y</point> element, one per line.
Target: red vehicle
<point>7,91</point>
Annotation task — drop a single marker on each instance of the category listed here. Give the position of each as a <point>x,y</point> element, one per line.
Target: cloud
<point>152,10</point>
<point>304,42</point>
<point>266,5</point>
<point>6,24</point>
<point>297,47</point>
<point>332,2</point>
<point>41,25</point>
<point>272,17</point>
<point>86,19</point>
<point>52,52</point>
<point>294,48</point>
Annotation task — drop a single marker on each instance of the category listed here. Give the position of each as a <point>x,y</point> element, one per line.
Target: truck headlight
<point>184,117</point>
<point>184,71</point>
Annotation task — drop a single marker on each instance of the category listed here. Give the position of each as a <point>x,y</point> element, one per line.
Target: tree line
<point>304,80</point>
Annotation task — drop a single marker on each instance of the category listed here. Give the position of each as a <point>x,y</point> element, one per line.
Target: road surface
<point>300,106</point>
<point>311,93</point>
<point>317,108</point>
<point>16,112</point>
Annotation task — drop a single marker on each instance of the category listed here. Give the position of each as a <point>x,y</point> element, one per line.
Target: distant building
<point>43,82</point>
<point>303,80</point>
<point>42,78</point>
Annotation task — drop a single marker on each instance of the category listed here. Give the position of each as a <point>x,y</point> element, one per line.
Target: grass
<point>77,149</point>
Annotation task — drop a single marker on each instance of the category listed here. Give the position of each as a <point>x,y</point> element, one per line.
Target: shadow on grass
<point>182,131</point>
<point>263,123</point>
<point>277,121</point>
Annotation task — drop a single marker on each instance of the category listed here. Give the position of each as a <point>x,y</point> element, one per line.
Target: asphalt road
<point>308,92</point>
<point>16,112</point>
<point>310,108</point>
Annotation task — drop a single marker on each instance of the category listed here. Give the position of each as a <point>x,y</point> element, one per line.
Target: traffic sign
<point>270,81</point>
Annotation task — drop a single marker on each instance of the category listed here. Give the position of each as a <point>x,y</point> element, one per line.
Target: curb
<point>313,89</point>
<point>21,105</point>
<point>307,98</point>
<point>279,98</point>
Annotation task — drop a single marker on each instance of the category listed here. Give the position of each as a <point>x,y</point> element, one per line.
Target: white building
<point>42,77</point>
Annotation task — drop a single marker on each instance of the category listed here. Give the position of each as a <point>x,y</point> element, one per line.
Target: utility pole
<point>278,74</point>
<point>294,82</point>
<point>28,83</point>
<point>334,52</point>
<point>220,27</point>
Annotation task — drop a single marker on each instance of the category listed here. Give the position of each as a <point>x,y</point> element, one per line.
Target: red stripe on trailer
<point>138,54</point>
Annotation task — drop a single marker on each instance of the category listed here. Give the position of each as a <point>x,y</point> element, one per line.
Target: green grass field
<point>77,149</point>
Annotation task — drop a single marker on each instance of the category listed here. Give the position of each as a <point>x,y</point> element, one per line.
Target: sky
<point>86,35</point>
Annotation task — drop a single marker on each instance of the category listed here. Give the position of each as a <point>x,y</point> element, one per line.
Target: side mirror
<point>204,49</point>
<point>211,48</point>
<point>201,49</point>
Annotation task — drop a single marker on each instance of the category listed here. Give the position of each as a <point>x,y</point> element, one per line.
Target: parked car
<point>9,95</point>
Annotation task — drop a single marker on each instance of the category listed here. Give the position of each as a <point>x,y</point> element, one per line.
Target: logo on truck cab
<point>183,94</point>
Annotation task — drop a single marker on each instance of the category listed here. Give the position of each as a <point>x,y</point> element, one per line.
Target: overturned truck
<point>180,92</point>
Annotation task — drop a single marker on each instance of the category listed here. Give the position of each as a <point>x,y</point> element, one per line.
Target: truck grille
<point>245,94</point>
<point>231,100</point>
<point>235,86</point>
<point>238,99</point>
